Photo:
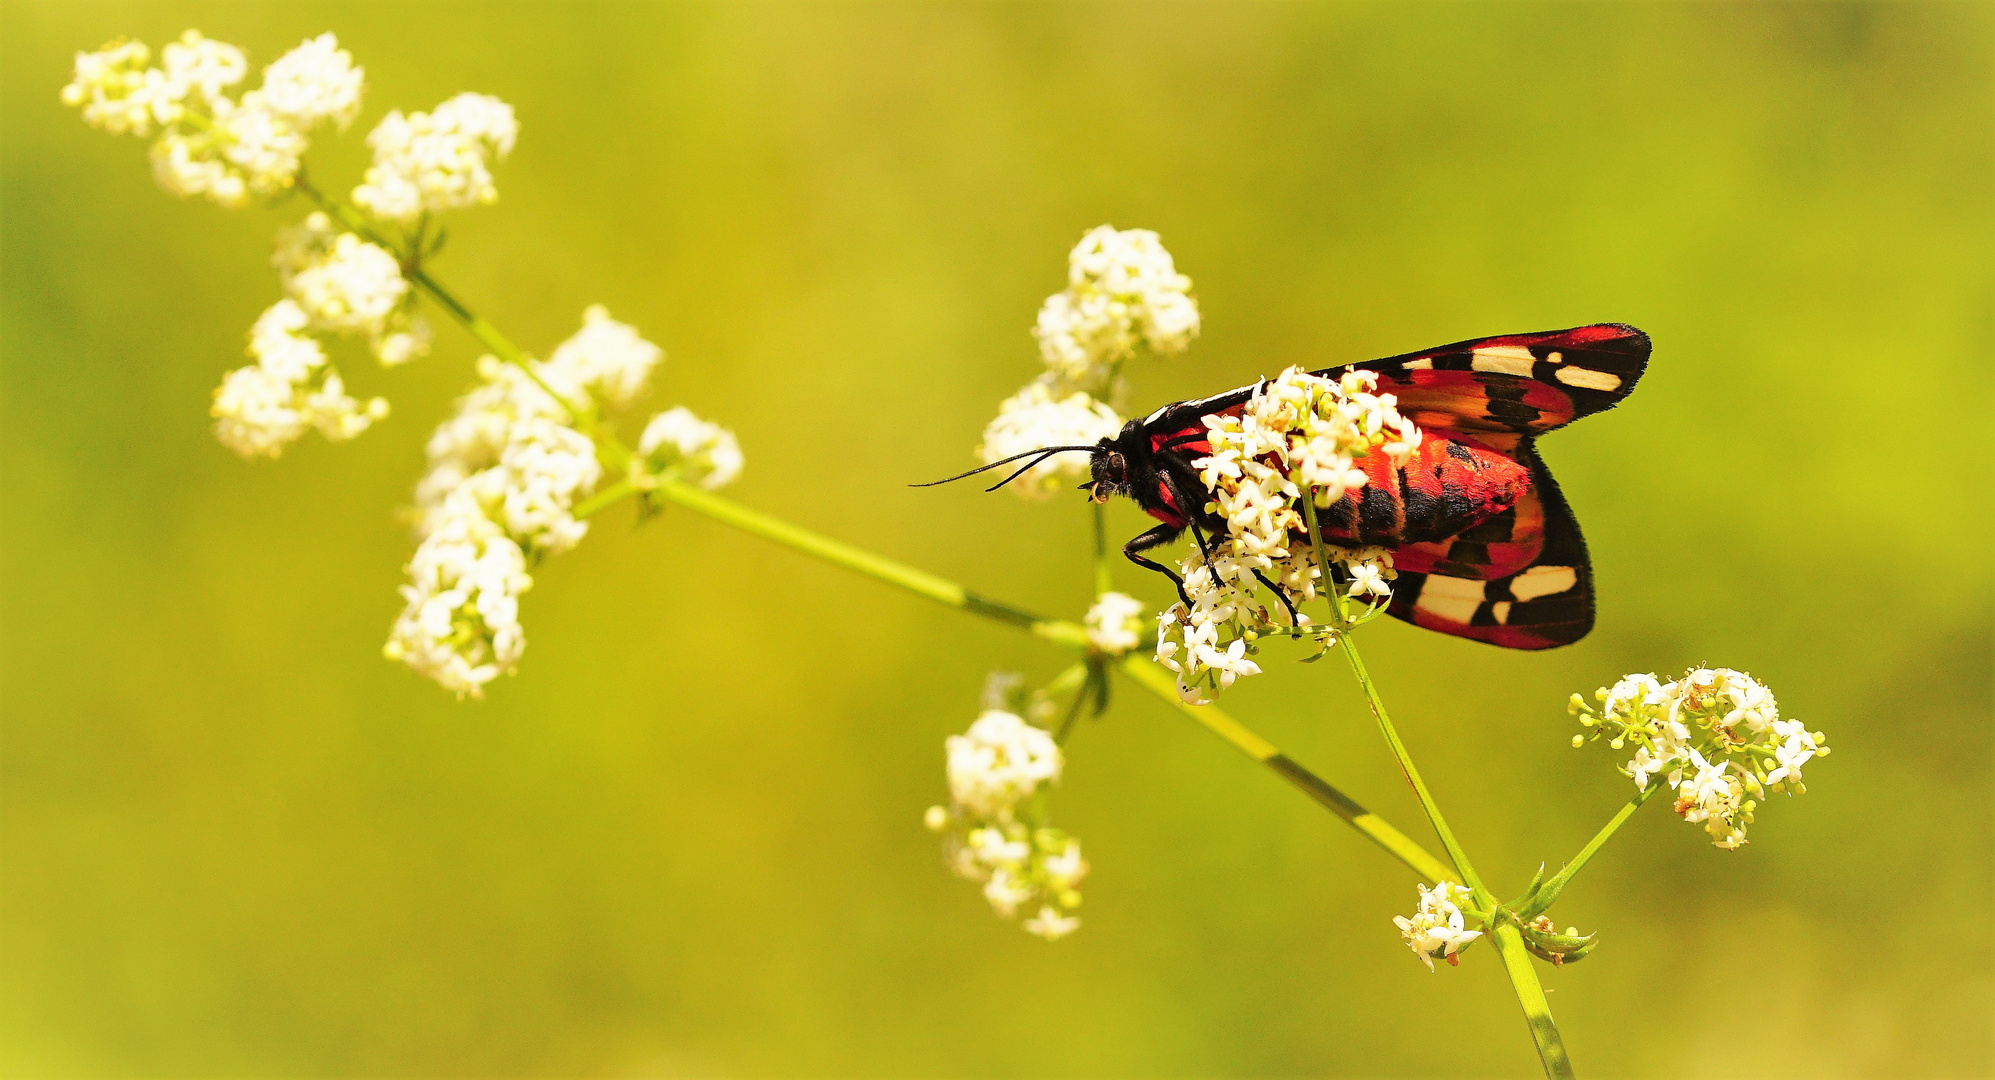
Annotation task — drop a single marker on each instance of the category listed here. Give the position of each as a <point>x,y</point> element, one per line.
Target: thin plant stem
<point>1531,995</point>
<point>1139,668</point>
<point>1504,933</point>
<point>838,553</point>
<point>1557,882</point>
<point>487,334</point>
<point>604,499</point>
<point>1104,578</point>
<point>1405,760</point>
<point>1402,847</point>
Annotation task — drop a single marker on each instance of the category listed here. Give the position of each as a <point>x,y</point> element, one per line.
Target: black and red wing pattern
<point>1493,390</point>
<point>1499,390</point>
<point>1546,603</point>
<point>1521,579</point>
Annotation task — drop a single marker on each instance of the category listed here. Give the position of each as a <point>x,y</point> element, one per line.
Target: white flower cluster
<point>228,149</point>
<point>1033,418</point>
<point>425,163</point>
<point>262,408</point>
<point>1299,431</point>
<point>994,832</point>
<point>1121,288</point>
<point>335,283</point>
<point>1437,929</point>
<point>1715,735</point>
<point>681,446</point>
<point>1115,623</point>
<point>504,475</point>
<point>350,286</point>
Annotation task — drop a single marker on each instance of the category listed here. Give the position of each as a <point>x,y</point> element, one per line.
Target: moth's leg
<point>1176,483</point>
<point>1282,595</point>
<point>1161,534</point>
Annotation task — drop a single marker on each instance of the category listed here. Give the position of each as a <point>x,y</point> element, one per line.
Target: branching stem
<point>1504,934</point>
<point>1557,882</point>
<point>1070,635</point>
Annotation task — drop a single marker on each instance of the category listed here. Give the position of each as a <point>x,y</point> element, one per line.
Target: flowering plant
<point>530,453</point>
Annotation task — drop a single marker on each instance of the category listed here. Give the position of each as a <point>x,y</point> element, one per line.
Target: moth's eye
<point>1116,467</point>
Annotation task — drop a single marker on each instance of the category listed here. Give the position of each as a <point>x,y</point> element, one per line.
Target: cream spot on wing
<point>1452,599</point>
<point>1543,581</point>
<point>1500,609</point>
<point>1506,359</point>
<point>1556,358</point>
<point>1589,379</point>
<point>1420,365</point>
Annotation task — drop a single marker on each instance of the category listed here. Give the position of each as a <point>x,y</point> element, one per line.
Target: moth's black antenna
<point>1026,468</point>
<point>1043,452</point>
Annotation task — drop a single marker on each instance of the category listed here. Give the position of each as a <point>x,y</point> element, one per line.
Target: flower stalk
<point>1508,939</point>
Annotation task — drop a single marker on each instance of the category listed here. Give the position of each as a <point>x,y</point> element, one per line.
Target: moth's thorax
<point>1447,487</point>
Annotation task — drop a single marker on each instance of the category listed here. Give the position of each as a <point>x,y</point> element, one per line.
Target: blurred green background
<point>686,839</point>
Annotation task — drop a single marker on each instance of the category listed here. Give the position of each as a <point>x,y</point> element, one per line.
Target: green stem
<point>1406,767</point>
<point>1508,939</point>
<point>1537,1010</point>
<point>1139,668</point>
<point>1550,890</point>
<point>604,499</point>
<point>1411,772</point>
<point>1147,674</point>
<point>1104,579</point>
<point>487,334</point>
<point>842,554</point>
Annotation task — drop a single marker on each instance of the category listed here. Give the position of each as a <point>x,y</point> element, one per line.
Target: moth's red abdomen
<point>1447,487</point>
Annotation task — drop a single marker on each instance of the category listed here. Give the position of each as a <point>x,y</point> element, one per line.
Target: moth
<point>1485,545</point>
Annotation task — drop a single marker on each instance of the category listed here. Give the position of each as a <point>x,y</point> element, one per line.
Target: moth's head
<point>1110,471</point>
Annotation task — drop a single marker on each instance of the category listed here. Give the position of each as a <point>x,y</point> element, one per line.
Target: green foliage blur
<point>686,839</point>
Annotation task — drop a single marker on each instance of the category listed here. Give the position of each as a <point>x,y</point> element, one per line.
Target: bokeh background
<point>686,839</point>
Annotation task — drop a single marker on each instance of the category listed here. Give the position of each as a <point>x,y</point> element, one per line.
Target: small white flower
<point>315,81</point>
<point>347,285</point>
<point>1051,925</point>
<point>261,409</point>
<point>1297,432</point>
<point>460,625</point>
<point>196,65</point>
<point>1794,748</point>
<point>1006,893</point>
<point>229,150</point>
<point>1122,287</point>
<point>1000,761</point>
<point>1368,578</point>
<point>1065,870</point>
<point>119,94</point>
<point>512,459</point>
<point>1114,623</point>
<point>436,161</point>
<point>681,445</point>
<point>993,830</point>
<point>1437,928</point>
<point>399,341</point>
<point>605,359</point>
